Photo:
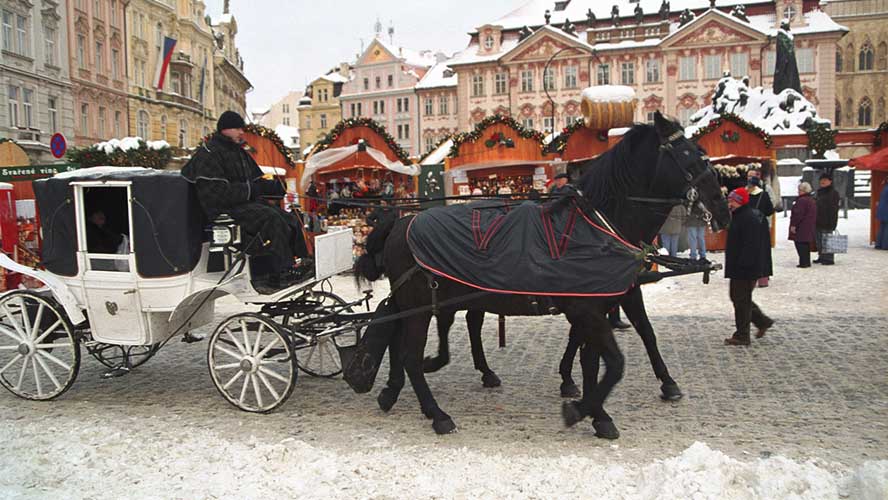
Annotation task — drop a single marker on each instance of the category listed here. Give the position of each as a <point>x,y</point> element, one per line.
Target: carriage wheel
<point>320,358</point>
<point>251,363</point>
<point>113,356</point>
<point>39,356</point>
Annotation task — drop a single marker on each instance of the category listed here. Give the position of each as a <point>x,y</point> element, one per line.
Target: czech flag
<point>163,61</point>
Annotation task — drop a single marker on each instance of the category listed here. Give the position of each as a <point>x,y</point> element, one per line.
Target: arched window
<point>883,56</point>
<point>865,113</point>
<point>866,58</point>
<point>183,133</point>
<point>838,122</point>
<point>163,127</point>
<point>838,60</point>
<point>142,125</point>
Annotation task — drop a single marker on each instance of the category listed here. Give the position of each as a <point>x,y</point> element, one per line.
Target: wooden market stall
<point>268,149</point>
<point>877,162</point>
<point>499,156</point>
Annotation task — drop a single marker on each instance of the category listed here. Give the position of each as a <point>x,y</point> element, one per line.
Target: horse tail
<point>370,266</point>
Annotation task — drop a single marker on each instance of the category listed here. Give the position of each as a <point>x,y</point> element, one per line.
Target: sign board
<point>58,145</point>
<point>33,172</point>
<point>333,253</point>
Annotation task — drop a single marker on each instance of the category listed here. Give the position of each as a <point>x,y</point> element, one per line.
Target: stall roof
<point>873,161</point>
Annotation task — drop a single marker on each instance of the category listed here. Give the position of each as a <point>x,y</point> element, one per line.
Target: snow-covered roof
<point>422,58</point>
<point>434,78</point>
<point>609,93</point>
<point>335,77</point>
<point>816,21</point>
<point>531,13</point>
<point>628,44</point>
<point>471,56</point>
<point>676,30</point>
<point>290,135</point>
<point>128,143</point>
<point>437,156</point>
<point>105,170</point>
<point>782,113</point>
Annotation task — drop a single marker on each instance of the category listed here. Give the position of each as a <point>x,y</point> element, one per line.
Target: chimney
<point>343,69</point>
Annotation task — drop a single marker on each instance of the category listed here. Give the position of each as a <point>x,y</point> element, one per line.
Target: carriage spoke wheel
<point>39,356</point>
<point>320,357</point>
<point>252,363</point>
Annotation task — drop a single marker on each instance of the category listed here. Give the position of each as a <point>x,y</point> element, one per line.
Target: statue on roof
<point>524,33</point>
<point>711,4</point>
<point>548,16</point>
<point>590,19</point>
<point>786,71</point>
<point>639,14</point>
<point>615,15</point>
<point>664,11</point>
<point>686,17</point>
<point>569,28</point>
<point>739,11</point>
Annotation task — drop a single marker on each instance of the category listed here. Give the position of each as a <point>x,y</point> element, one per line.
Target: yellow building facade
<point>319,108</point>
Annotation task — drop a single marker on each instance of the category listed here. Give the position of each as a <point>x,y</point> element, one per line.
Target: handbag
<point>835,243</point>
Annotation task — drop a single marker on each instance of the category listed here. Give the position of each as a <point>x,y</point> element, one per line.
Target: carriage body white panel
<point>333,253</point>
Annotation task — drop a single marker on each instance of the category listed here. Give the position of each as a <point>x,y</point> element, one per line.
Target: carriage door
<point>105,254</point>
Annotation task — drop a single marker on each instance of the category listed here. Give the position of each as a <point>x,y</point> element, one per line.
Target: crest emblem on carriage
<point>111,307</point>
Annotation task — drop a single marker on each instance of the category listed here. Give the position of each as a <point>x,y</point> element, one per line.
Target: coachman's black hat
<point>562,176</point>
<point>230,119</point>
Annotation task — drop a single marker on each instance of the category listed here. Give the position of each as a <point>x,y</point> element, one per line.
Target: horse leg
<point>474,322</point>
<point>569,388</point>
<point>633,305</point>
<point>445,321</point>
<point>388,396</point>
<point>416,334</point>
<point>600,342</point>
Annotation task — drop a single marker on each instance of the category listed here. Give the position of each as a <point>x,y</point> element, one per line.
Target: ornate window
<point>570,77</point>
<point>102,112</point>
<point>499,83</point>
<point>84,119</point>
<point>687,68</point>
<point>52,109</point>
<point>183,133</point>
<point>429,106</point>
<point>49,46</point>
<point>739,64</point>
<point>805,59</point>
<point>865,113</point>
<point>477,85</point>
<point>488,42</point>
<point>712,66</point>
<point>603,75</point>
<point>142,124</point>
<point>866,58</point>
<point>838,60</point>
<point>527,80</point>
<point>653,70</point>
<point>627,73</point>
<point>27,108</point>
<point>442,105</point>
<point>549,79</point>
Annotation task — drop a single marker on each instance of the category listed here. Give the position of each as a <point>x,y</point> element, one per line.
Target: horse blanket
<point>553,249</point>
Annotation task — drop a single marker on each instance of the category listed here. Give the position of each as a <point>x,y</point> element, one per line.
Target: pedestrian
<point>762,201</point>
<point>827,217</point>
<point>672,228</point>
<point>696,224</point>
<point>802,224</point>
<point>882,216</point>
<point>560,185</point>
<point>744,265</point>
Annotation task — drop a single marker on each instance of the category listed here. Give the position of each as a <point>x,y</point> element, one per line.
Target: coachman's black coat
<point>229,181</point>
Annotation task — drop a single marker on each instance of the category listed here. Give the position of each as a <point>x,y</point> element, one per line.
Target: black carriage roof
<point>167,220</point>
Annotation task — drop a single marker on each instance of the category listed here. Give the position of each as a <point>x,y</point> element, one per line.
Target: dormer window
<point>488,42</point>
<point>790,12</point>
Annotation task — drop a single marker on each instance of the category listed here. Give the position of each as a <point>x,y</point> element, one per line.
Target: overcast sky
<point>287,43</point>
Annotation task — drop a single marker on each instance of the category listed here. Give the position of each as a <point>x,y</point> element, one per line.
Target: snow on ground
<point>117,461</point>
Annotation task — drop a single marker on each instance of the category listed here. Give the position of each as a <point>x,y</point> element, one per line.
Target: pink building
<point>438,106</point>
<point>673,58</point>
<point>382,88</point>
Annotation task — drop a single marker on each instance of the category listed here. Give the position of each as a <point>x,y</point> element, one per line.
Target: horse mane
<point>611,175</point>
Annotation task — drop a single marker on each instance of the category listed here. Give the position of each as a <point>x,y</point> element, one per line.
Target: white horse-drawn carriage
<point>162,283</point>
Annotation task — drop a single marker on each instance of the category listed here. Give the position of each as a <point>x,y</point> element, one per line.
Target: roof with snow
<point>421,58</point>
<point>335,77</point>
<point>783,113</point>
<point>435,78</point>
<point>289,135</point>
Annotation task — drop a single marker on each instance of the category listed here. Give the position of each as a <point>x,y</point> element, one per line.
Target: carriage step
<point>117,371</point>
<point>191,338</point>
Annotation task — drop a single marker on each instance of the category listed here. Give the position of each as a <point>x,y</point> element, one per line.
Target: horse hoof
<point>444,426</point>
<point>570,390</point>
<point>431,365</point>
<point>387,399</point>
<point>570,413</point>
<point>490,380</point>
<point>605,430</point>
<point>670,392</point>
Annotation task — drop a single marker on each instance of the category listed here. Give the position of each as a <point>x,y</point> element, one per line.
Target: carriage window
<point>106,223</point>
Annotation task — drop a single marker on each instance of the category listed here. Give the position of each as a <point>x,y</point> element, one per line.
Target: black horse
<point>634,185</point>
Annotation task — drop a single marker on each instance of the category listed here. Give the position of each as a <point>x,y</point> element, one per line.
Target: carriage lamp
<point>225,233</point>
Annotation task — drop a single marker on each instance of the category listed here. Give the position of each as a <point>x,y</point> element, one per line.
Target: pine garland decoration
<point>560,141</point>
<point>478,132</point>
<point>882,128</point>
<point>821,138</point>
<point>745,125</point>
<point>325,142</point>
<point>143,156</point>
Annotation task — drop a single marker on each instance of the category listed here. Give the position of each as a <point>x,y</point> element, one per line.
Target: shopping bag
<point>835,243</point>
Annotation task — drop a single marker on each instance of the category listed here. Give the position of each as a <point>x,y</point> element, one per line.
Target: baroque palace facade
<point>672,59</point>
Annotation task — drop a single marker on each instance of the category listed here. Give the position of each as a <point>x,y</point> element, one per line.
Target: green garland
<point>143,156</point>
<point>821,138</point>
<point>745,125</point>
<point>560,141</point>
<point>878,140</point>
<point>275,139</point>
<point>6,139</point>
<point>348,123</point>
<point>477,133</point>
<point>435,147</point>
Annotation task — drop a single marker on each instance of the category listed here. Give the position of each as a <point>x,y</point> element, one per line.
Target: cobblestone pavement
<point>815,386</point>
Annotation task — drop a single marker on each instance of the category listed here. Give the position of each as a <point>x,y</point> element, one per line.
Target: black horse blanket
<point>552,249</point>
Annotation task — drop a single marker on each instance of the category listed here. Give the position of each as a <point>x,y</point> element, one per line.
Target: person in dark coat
<point>802,224</point>
<point>882,216</point>
<point>760,200</point>
<point>744,265</point>
<point>561,184</point>
<point>228,181</point>
<point>99,237</point>
<point>827,217</point>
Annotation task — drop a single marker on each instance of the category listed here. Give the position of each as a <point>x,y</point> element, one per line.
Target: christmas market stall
<point>498,157</point>
<point>268,149</point>
<point>877,162</point>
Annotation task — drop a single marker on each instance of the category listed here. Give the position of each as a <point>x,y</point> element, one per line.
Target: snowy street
<point>799,414</point>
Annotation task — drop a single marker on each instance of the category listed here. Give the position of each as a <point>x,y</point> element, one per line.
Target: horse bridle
<point>691,196</point>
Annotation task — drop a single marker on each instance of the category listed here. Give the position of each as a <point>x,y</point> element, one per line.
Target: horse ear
<point>665,127</point>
